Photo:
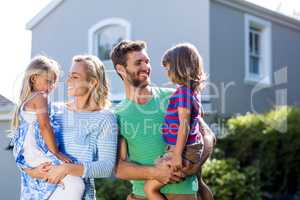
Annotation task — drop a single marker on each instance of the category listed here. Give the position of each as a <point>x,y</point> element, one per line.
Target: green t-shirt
<point>141,125</point>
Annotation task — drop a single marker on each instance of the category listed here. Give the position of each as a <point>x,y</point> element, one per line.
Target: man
<point>140,117</point>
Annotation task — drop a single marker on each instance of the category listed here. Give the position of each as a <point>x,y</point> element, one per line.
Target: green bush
<point>225,177</point>
<point>270,142</point>
<point>259,157</point>
<point>230,182</point>
<point>112,189</point>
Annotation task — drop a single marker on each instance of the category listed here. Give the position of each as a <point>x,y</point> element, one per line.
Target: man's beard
<point>135,82</point>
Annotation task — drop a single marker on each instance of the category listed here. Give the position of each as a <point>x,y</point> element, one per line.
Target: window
<point>257,50</point>
<point>105,34</point>
<point>106,38</point>
<point>102,37</point>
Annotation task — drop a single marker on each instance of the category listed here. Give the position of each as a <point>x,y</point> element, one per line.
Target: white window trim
<point>101,24</point>
<point>265,69</point>
<point>92,48</point>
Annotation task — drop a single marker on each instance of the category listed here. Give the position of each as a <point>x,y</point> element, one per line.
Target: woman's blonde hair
<point>96,71</point>
<point>186,66</point>
<point>37,66</point>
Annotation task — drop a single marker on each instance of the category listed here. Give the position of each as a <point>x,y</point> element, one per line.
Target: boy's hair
<point>119,52</point>
<point>186,66</point>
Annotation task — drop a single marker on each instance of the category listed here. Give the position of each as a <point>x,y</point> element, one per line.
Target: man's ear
<point>121,70</point>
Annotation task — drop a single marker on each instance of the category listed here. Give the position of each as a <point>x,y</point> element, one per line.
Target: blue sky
<point>16,41</point>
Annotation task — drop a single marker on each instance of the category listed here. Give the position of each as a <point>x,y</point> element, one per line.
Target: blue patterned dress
<point>33,189</point>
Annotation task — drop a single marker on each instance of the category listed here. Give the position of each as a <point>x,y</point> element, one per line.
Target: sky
<point>15,40</point>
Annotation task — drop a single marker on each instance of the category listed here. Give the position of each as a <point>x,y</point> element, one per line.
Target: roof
<point>263,12</point>
<point>6,108</point>
<point>236,4</point>
<point>43,13</point>
<point>5,102</point>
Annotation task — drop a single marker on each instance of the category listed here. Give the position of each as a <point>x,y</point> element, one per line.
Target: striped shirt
<point>183,97</point>
<point>89,138</point>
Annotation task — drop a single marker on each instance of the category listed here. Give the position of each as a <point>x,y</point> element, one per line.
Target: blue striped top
<point>89,138</point>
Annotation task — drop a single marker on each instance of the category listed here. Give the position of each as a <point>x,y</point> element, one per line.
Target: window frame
<point>94,30</point>
<point>264,75</point>
<point>92,45</point>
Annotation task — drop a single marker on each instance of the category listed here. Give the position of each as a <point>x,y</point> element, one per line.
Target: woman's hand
<point>39,172</point>
<point>56,174</point>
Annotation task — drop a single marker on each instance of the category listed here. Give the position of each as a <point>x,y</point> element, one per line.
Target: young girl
<point>181,127</point>
<point>34,141</point>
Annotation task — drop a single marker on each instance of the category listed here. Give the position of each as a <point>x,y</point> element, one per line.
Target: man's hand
<point>165,174</point>
<point>56,174</point>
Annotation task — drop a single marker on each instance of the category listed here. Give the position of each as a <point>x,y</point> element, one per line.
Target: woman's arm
<point>103,167</point>
<point>107,143</point>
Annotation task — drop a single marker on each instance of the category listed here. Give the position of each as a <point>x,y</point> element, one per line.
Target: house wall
<point>9,176</point>
<point>286,48</point>
<point>227,63</point>
<point>64,32</point>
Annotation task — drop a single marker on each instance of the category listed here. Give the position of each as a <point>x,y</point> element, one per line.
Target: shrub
<point>112,189</point>
<point>270,142</point>
<point>230,182</point>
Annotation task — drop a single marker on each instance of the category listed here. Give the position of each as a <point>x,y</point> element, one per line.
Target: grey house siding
<point>286,49</point>
<point>227,62</point>
<point>64,32</point>
<point>9,175</point>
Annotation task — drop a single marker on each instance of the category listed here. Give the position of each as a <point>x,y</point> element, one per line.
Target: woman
<point>89,129</point>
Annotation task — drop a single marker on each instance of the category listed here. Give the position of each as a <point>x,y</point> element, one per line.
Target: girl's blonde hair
<point>186,66</point>
<point>38,65</point>
<point>96,71</point>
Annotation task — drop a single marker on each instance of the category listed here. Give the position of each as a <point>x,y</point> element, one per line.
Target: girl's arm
<point>40,104</point>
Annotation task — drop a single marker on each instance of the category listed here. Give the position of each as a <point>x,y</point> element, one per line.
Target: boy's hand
<point>176,163</point>
<point>63,158</point>
<point>166,175</point>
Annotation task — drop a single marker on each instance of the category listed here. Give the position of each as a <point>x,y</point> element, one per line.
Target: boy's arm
<point>183,130</point>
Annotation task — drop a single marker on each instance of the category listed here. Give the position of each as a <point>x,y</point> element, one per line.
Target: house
<point>250,53</point>
<point>10,180</point>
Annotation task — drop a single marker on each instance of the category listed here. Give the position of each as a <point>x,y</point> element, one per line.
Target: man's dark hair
<point>119,52</point>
